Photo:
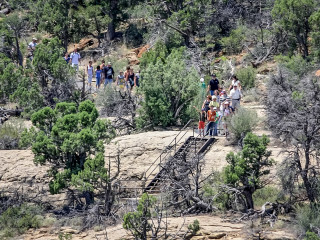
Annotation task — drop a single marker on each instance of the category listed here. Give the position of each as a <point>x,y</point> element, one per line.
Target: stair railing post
<point>175,144</point>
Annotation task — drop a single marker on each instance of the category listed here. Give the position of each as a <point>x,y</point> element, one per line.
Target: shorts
<point>201,125</point>
<point>98,79</point>
<point>90,78</point>
<point>76,66</point>
<point>107,81</point>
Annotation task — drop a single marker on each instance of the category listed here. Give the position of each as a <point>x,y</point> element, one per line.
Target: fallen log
<point>11,112</point>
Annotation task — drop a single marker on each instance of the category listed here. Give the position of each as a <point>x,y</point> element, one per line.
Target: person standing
<point>202,119</point>
<point>131,78</point>
<point>109,74</point>
<point>213,118</point>
<point>136,79</point>
<point>90,73</point>
<point>75,59</point>
<point>213,84</point>
<point>206,103</point>
<point>121,80</point>
<point>98,77</point>
<point>235,95</point>
<point>102,66</point>
<point>126,76</point>
<point>31,47</point>
<point>203,88</point>
<point>67,58</point>
<point>235,81</point>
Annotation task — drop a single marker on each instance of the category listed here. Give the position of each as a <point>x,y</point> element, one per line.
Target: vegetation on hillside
<point>184,41</point>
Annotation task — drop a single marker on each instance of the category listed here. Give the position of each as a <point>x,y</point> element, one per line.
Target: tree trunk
<point>248,195</point>
<point>88,195</point>
<point>111,30</point>
<point>308,186</point>
<point>20,58</point>
<point>113,15</point>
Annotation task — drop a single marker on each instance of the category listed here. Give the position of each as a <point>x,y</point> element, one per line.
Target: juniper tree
<point>294,116</point>
<point>246,169</point>
<point>70,139</point>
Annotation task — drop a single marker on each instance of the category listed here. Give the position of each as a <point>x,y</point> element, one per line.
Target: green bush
<point>134,35</point>
<point>17,220</point>
<point>194,227</point>
<point>311,236</point>
<point>307,217</point>
<point>233,43</point>
<point>10,133</point>
<point>242,122</point>
<point>266,194</point>
<point>296,63</point>
<point>168,87</point>
<point>247,77</point>
<point>137,222</point>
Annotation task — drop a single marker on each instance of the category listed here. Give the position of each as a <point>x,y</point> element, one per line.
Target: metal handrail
<point>194,140</point>
<point>163,151</point>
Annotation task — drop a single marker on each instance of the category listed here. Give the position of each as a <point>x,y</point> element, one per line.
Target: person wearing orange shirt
<point>213,118</point>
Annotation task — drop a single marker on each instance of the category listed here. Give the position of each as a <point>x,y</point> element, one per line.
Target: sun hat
<point>226,103</point>
<point>35,39</point>
<point>109,63</point>
<point>214,108</point>
<point>214,97</point>
<point>201,79</point>
<point>235,85</point>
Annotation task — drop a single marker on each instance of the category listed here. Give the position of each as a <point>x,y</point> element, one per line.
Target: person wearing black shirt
<point>109,74</point>
<point>213,84</point>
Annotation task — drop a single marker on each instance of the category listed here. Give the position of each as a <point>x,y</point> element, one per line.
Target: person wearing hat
<point>214,102</point>
<point>213,84</point>
<point>226,111</point>
<point>203,87</point>
<point>202,119</point>
<point>109,74</point>
<point>213,118</point>
<point>31,47</point>
<point>235,95</point>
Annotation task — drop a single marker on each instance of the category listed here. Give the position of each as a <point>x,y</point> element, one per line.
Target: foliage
<point>49,80</point>
<point>65,236</point>
<point>297,64</point>
<point>71,139</point>
<point>137,222</point>
<point>10,133</point>
<point>246,168</point>
<point>168,88</point>
<point>18,219</point>
<point>194,227</point>
<point>288,16</point>
<point>233,44</point>
<point>247,77</point>
<point>134,35</point>
<point>295,122</point>
<point>242,122</point>
<point>10,75</point>
<point>308,217</point>
<point>266,194</point>
<point>311,236</point>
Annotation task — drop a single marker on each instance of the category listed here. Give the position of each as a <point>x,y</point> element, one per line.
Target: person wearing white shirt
<point>235,81</point>
<point>75,59</point>
<point>235,95</point>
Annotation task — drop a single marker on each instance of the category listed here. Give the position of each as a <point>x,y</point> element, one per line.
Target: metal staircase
<point>191,147</point>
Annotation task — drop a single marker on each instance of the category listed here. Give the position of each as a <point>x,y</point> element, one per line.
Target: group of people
<point>105,73</point>
<point>218,105</point>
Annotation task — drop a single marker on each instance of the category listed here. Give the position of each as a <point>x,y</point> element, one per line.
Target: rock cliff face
<point>19,173</point>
